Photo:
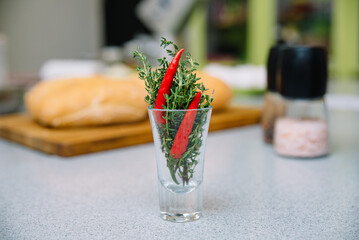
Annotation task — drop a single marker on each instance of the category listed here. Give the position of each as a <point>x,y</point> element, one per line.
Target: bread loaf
<point>86,101</point>
<point>101,100</point>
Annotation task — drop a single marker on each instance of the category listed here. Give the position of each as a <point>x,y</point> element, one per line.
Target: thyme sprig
<point>184,87</point>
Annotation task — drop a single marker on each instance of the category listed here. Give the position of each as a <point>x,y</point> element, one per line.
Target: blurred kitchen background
<point>46,39</point>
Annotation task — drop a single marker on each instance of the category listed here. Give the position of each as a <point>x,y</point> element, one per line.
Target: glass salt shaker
<point>273,104</point>
<point>303,130</point>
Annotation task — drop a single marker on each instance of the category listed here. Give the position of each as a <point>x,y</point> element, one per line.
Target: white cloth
<point>61,68</point>
<point>247,77</point>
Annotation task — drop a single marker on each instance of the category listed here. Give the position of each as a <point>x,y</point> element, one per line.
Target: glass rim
<point>179,110</point>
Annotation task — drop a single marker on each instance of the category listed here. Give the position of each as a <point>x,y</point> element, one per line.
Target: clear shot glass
<point>180,140</point>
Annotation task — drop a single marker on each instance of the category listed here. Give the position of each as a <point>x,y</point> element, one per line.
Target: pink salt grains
<point>303,138</point>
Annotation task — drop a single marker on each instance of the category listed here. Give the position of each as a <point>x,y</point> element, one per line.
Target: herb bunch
<point>184,88</point>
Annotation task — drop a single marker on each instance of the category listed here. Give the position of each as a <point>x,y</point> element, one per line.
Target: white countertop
<point>249,192</point>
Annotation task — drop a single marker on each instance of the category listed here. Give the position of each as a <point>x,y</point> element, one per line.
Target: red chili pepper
<point>165,87</point>
<point>181,140</point>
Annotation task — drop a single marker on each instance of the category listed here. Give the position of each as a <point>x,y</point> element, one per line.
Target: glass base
<point>181,217</point>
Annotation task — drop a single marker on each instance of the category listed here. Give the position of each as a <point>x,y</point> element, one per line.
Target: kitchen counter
<point>249,192</point>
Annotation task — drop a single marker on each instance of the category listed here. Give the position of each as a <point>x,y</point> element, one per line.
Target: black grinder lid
<point>304,72</point>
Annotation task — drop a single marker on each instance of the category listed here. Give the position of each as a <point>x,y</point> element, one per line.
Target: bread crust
<point>222,93</point>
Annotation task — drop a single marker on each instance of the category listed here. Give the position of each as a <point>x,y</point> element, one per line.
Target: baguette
<point>87,101</point>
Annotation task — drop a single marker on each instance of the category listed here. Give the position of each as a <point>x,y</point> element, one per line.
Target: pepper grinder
<point>273,104</point>
<point>303,129</point>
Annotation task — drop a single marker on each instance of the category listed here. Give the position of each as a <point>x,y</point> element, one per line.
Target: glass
<point>303,130</point>
<point>180,166</point>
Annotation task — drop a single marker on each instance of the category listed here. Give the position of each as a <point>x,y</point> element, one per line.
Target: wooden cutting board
<point>68,142</point>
